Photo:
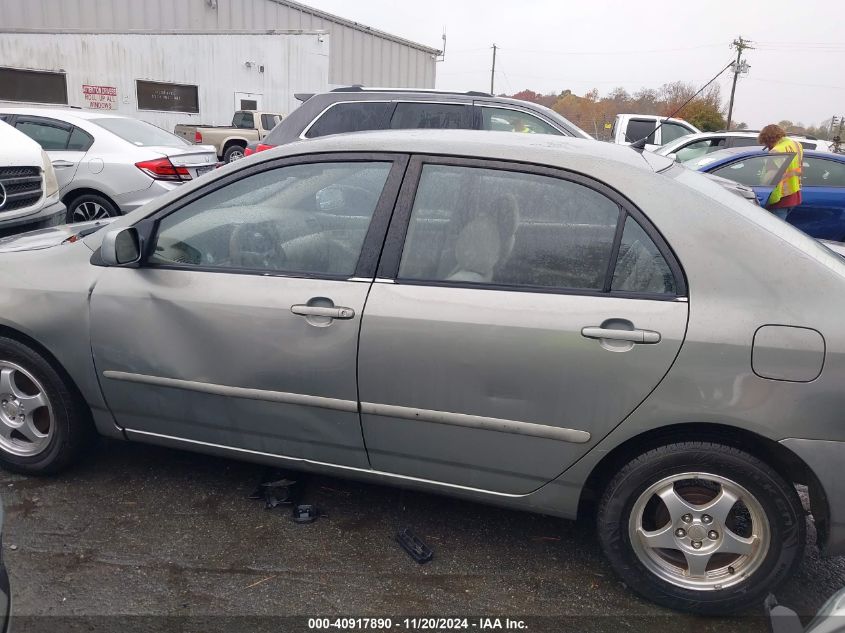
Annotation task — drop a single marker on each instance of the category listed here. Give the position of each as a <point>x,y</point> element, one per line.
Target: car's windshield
<point>138,132</point>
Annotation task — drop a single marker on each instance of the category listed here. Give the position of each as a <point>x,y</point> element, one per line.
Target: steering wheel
<point>256,246</point>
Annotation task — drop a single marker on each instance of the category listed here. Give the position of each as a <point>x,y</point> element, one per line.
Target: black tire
<point>90,206</point>
<point>72,429</point>
<point>776,497</point>
<point>233,153</point>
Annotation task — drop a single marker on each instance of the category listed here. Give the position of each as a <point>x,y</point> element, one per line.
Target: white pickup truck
<point>629,128</point>
<point>230,141</point>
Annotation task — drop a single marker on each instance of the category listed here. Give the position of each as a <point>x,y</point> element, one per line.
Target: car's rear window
<point>138,133</point>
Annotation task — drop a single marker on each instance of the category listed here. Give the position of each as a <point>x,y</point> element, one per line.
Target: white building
<point>192,61</point>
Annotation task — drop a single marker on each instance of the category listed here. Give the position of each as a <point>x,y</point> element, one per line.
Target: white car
<point>107,164</point>
<point>29,192</point>
<point>694,146</point>
<point>657,130</point>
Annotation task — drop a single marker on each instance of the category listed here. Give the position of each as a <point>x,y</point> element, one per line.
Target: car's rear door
<point>822,209</point>
<point>64,143</point>
<point>240,329</point>
<point>519,315</point>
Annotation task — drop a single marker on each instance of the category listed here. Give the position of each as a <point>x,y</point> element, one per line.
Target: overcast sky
<point>797,72</point>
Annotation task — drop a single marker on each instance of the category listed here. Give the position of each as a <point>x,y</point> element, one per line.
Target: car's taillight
<point>163,169</point>
<point>262,147</point>
<point>197,137</point>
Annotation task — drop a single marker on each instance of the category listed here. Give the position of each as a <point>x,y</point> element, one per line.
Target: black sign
<point>155,95</point>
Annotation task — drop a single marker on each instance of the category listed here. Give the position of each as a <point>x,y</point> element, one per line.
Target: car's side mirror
<point>673,156</point>
<point>121,247</point>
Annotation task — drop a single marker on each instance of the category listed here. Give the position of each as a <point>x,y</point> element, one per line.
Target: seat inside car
<point>486,241</point>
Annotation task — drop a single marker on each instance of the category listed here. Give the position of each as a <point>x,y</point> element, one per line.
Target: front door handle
<point>632,336</point>
<point>323,311</point>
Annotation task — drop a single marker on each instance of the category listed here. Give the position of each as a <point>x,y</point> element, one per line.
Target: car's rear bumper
<point>825,459</point>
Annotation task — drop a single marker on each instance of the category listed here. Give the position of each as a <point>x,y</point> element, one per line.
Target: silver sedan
<point>549,324</point>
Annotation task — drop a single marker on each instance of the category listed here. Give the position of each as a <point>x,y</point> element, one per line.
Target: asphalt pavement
<point>170,540</point>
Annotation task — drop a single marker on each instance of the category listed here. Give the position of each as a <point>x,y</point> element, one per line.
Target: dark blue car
<point>822,210</point>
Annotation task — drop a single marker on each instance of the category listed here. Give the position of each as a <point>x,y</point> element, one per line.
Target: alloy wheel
<point>88,211</point>
<point>26,415</point>
<point>236,155</point>
<point>699,531</point>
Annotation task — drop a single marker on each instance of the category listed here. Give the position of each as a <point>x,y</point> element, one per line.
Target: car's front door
<point>527,314</point>
<point>761,172</point>
<point>240,327</point>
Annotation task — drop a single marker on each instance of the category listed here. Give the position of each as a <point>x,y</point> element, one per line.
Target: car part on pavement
<point>415,547</point>
<point>305,513</point>
<point>829,619</point>
<point>277,489</point>
<point>704,520</point>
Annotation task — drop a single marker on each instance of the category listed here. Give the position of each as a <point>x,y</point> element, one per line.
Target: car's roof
<point>62,113</point>
<point>556,151</point>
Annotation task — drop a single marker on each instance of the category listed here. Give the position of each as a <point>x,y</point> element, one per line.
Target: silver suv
<point>358,109</point>
<point>549,324</point>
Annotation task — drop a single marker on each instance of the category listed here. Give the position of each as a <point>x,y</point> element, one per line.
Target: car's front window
<point>309,219</point>
<point>754,171</point>
<point>138,133</point>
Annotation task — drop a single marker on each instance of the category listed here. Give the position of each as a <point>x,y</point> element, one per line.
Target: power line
<point>605,52</point>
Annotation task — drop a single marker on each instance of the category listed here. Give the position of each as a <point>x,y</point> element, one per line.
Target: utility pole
<point>739,66</point>
<point>493,71</point>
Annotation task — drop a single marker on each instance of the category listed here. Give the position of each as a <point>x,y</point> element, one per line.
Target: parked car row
<point>105,164</point>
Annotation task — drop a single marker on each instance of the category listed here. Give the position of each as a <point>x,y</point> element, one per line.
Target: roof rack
<point>359,88</point>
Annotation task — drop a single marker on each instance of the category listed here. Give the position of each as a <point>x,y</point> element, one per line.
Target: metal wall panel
<point>357,54</point>
<point>213,62</point>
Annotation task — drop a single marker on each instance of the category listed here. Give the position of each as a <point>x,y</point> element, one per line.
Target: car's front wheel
<point>701,527</point>
<point>43,424</point>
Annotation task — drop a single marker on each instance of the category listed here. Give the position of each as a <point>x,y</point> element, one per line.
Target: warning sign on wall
<point>100,97</point>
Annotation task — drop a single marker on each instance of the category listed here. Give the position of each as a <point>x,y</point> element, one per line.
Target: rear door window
<point>819,172</point>
<point>640,128</point>
<point>80,141</point>
<point>350,117</point>
<point>508,120</point>
<point>414,116</point>
<point>744,141</point>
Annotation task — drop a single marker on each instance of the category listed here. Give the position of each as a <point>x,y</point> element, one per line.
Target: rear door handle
<point>332,313</point>
<point>60,164</point>
<point>634,336</point>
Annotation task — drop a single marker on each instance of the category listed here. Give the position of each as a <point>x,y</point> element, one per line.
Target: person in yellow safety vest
<point>787,193</point>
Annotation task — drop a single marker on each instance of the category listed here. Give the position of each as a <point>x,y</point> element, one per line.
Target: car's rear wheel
<point>90,207</point>
<point>43,425</point>
<point>233,153</point>
<point>701,527</point>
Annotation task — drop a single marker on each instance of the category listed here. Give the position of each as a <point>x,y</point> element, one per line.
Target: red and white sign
<point>100,97</point>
